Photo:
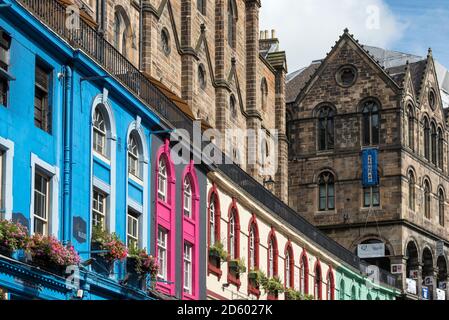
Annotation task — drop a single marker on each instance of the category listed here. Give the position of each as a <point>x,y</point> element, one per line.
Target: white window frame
<point>45,194</point>
<point>212,221</point>
<point>188,268</point>
<point>252,248</point>
<point>102,134</point>
<point>98,212</point>
<point>232,235</point>
<point>53,174</point>
<point>134,158</point>
<point>162,247</point>
<point>133,217</point>
<point>7,147</point>
<point>162,184</point>
<point>287,270</point>
<point>187,203</point>
<point>270,259</point>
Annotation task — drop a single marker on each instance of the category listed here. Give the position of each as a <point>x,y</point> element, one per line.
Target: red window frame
<point>318,282</point>
<point>272,240</point>
<point>214,193</point>
<point>304,265</point>
<point>330,281</point>
<point>253,223</point>
<point>289,251</point>
<point>233,209</point>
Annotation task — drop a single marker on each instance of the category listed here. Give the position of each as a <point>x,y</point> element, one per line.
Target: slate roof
<point>297,82</point>
<point>417,70</point>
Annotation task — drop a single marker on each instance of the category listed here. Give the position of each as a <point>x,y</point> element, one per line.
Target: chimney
<point>262,35</point>
<point>266,42</point>
<point>266,35</point>
<point>273,34</point>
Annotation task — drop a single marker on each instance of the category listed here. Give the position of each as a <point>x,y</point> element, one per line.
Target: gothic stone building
<point>209,53</point>
<point>346,103</point>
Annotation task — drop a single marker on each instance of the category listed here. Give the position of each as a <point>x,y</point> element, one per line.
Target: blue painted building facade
<point>68,136</point>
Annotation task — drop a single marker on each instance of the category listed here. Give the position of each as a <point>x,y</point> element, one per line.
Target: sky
<point>307,29</point>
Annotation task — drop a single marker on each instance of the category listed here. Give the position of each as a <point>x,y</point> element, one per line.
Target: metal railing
<point>85,38</point>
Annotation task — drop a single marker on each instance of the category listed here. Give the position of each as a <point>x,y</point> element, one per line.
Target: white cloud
<point>307,29</point>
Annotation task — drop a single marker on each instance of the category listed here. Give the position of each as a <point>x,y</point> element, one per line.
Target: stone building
<point>212,55</point>
<point>348,103</point>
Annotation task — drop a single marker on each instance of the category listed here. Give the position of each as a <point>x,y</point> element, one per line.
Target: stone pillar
<point>435,282</point>
<point>188,58</point>
<point>149,36</point>
<point>254,118</point>
<point>420,280</point>
<point>281,187</point>
<point>401,260</point>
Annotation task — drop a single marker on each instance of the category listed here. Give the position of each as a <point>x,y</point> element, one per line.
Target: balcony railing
<point>85,38</point>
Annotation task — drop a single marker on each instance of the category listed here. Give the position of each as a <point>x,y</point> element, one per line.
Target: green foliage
<point>238,265</point>
<point>145,263</point>
<point>116,249</point>
<point>218,250</point>
<point>292,294</point>
<point>272,285</point>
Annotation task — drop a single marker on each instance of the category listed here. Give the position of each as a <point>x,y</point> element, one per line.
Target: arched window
<point>304,274</point>
<point>233,107</point>
<point>411,191</point>
<point>272,268</point>
<point>232,23</point>
<point>370,123</point>
<point>326,191</point>
<point>342,295</point>
<point>100,133</point>
<point>411,129</point>
<point>162,179</point>
<point>317,283</point>
<point>253,246</point>
<point>289,267</point>
<point>233,242</point>
<point>214,265</point>
<point>202,82</point>
<point>187,197</point>
<point>353,293</point>
<point>330,286</point>
<point>427,199</point>
<point>134,157</point>
<point>440,148</point>
<point>441,200</point>
<point>426,139</point>
<point>434,139</point>
<point>326,129</point>
<point>264,93</point>
<point>122,31</point>
<point>201,5</point>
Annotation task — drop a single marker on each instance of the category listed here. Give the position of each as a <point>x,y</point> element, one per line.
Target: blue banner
<point>370,174</point>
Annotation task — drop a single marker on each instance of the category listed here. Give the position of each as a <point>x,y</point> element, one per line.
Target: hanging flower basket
<point>139,266</point>
<point>13,237</point>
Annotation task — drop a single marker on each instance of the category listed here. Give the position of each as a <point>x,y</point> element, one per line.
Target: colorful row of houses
<point>85,141</point>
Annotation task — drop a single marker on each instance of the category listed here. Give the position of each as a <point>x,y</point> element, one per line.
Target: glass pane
<point>375,132</point>
<point>366,130</point>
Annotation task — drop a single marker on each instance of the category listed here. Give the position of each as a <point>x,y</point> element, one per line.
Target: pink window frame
<point>192,238</point>
<point>167,220</point>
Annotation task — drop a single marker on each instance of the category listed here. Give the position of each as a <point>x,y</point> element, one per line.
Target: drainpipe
<point>68,101</point>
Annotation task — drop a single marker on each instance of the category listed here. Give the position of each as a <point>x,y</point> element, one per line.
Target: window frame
<point>272,247</point>
<point>45,220</point>
<point>304,273</point>
<point>441,207</point>
<point>232,23</point>
<point>188,261</point>
<point>201,6</point>
<point>371,110</point>
<point>289,262</point>
<point>96,211</point>
<point>43,94</point>
<point>5,78</point>
<point>411,191</point>
<point>134,217</point>
<point>317,282</point>
<point>326,183</point>
<point>326,128</point>
<point>135,156</point>
<point>162,246</point>
<point>427,199</point>
<point>233,239</point>
<point>372,190</point>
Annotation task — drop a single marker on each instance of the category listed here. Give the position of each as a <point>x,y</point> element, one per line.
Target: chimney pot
<point>261,35</point>
<point>266,34</point>
<point>273,34</point>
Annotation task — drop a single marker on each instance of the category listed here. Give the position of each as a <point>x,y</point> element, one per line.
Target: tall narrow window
<point>441,200</point>
<point>133,229</point>
<point>99,135</point>
<point>371,123</point>
<point>233,234</point>
<point>371,197</point>
<point>99,210</point>
<point>440,149</point>
<point>317,283</point>
<point>342,293</point>
<point>162,180</point>
<point>42,112</point>
<point>270,259</point>
<point>134,158</point>
<point>212,222</point>
<point>41,203</point>
<point>427,199</point>
<point>272,269</point>
<point>232,23</point>
<point>252,249</point>
<point>326,129</point>
<point>426,139</point>
<point>326,191</point>
<point>162,248</point>
<point>411,191</point>
<point>187,197</point>
<point>2,184</point>
<point>434,139</point>
<point>188,270</point>
<point>330,286</point>
<point>289,267</point>
<point>201,5</point>
<point>264,93</point>
<point>5,45</point>
<point>233,107</point>
<point>122,31</point>
<point>304,275</point>
<point>411,129</point>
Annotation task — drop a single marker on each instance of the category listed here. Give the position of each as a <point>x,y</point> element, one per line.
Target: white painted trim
<point>8,147</point>
<point>101,185</point>
<point>102,99</point>
<point>53,173</point>
<point>143,209</point>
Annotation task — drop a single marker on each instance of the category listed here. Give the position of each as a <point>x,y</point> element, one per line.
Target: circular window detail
<point>165,40</point>
<point>202,77</point>
<point>346,76</point>
<point>432,99</point>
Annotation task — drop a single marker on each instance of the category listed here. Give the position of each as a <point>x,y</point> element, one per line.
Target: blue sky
<point>427,25</point>
<point>307,29</point>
